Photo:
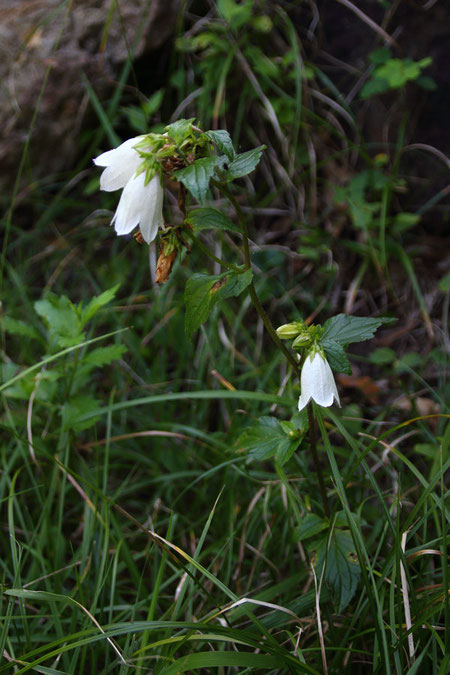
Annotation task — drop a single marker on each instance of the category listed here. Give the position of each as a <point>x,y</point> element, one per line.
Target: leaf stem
<point>211,255</point>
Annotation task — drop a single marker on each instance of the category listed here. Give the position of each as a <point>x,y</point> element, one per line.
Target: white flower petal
<point>116,176</point>
<point>121,165</point>
<point>317,382</point>
<point>119,154</point>
<point>129,209</point>
<point>151,210</point>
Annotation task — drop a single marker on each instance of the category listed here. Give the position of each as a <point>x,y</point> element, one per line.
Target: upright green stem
<point>312,440</point>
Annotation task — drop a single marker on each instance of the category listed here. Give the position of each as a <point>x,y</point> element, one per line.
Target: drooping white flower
<point>317,382</point>
<point>139,204</point>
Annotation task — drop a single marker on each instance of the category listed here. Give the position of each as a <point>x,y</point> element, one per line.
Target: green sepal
<point>180,130</point>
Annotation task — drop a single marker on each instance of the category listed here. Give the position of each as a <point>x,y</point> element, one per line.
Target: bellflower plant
<point>201,165</point>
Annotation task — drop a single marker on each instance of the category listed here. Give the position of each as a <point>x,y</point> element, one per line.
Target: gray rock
<point>47,47</point>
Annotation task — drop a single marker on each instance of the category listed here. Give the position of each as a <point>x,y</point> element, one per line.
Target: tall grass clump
<point>224,432</point>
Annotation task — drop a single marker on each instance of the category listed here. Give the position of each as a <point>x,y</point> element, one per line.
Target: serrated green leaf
<point>207,218</point>
<point>310,526</point>
<point>336,357</point>
<point>180,130</point>
<point>101,356</point>
<point>96,303</point>
<point>197,297</point>
<point>234,284</point>
<point>75,408</point>
<point>204,290</point>
<point>346,329</point>
<point>341,518</point>
<point>244,163</point>
<point>268,439</point>
<point>17,327</point>
<point>95,359</point>
<point>222,139</point>
<point>342,570</point>
<point>262,440</point>
<point>61,318</point>
<point>286,449</point>
<point>196,177</point>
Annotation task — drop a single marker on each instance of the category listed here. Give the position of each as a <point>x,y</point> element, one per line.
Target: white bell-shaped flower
<point>317,382</point>
<point>139,204</point>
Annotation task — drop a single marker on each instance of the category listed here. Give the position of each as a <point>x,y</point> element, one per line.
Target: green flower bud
<point>303,340</point>
<point>289,330</point>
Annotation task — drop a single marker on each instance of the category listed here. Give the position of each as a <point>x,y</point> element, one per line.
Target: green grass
<point>136,533</point>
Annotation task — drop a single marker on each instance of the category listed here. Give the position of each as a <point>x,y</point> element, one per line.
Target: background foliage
<point>160,510</point>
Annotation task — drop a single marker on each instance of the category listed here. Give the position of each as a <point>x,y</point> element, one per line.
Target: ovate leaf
<point>336,357</point>
<point>223,142</point>
<point>310,525</point>
<point>267,439</point>
<point>244,163</point>
<point>234,284</point>
<point>203,291</point>
<point>196,177</point>
<point>342,570</point>
<point>210,219</point>
<point>345,329</point>
<point>197,297</point>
